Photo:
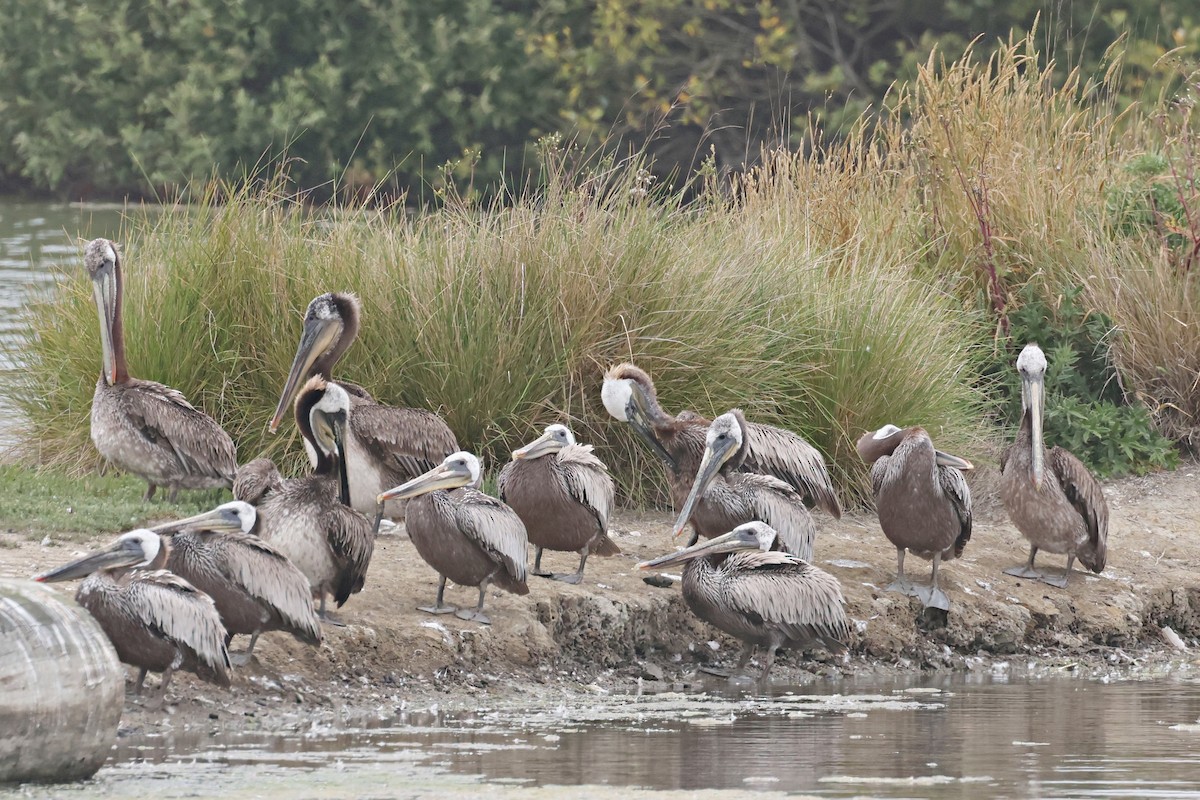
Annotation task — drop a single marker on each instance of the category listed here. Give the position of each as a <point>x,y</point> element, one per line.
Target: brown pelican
<point>254,586</point>
<point>1060,509</point>
<point>629,396</point>
<point>385,446</point>
<point>157,621</point>
<point>723,498</point>
<point>467,536</point>
<point>562,493</point>
<point>309,519</point>
<point>923,501</point>
<point>765,598</point>
<point>143,427</point>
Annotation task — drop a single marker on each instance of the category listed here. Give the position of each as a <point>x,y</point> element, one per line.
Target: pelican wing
<point>785,591</point>
<point>352,540</point>
<point>1085,494</point>
<point>779,452</point>
<point>494,527</point>
<point>879,473</point>
<point>179,612</point>
<point>780,506</point>
<point>272,579</point>
<point>255,480</point>
<point>954,485</point>
<point>408,441</point>
<point>587,480</point>
<point>165,419</point>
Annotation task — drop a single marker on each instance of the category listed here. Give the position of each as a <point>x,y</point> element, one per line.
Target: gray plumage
<point>386,446</point>
<point>142,427</point>
<point>766,598</point>
<point>1053,499</point>
<point>629,396</point>
<point>308,519</point>
<point>469,537</point>
<point>255,587</point>
<point>923,501</point>
<point>563,493</point>
<point>156,620</point>
<point>724,497</point>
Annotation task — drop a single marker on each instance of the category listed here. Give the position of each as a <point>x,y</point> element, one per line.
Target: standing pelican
<point>385,446</point>
<point>467,536</point>
<point>309,519</point>
<point>254,586</point>
<point>562,493</point>
<point>1060,510</point>
<point>765,598</point>
<point>723,498</point>
<point>157,621</point>
<point>629,396</point>
<point>143,427</point>
<point>923,501</point>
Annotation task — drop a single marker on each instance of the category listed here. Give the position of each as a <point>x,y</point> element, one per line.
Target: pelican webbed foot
<point>1056,580</point>
<point>473,615</point>
<point>904,586</point>
<point>1025,571</point>
<point>933,597</point>
<point>440,608</point>
<point>387,527</point>
<point>718,672</point>
<point>574,578</point>
<point>239,659</point>
<point>329,618</point>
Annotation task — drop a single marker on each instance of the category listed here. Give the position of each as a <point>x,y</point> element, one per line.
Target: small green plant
<point>1085,408</point>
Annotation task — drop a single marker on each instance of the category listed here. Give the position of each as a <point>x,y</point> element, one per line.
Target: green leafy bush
<point>1085,409</point>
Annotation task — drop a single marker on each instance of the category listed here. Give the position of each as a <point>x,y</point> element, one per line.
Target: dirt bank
<point>615,629</point>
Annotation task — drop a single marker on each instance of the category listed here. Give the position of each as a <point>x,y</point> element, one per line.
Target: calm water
<point>34,237</point>
<point>957,737</point>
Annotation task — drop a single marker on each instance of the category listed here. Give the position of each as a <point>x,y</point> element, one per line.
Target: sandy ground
<point>615,630</point>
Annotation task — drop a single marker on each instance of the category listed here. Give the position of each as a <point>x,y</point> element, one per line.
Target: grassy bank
<point>829,291</point>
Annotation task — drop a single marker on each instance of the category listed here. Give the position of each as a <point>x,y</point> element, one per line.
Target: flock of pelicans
<point>172,597</point>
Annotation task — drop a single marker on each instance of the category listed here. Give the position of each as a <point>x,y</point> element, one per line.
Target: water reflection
<point>958,736</point>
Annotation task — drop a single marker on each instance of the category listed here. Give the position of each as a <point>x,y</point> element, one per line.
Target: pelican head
<point>629,396</point>
<point>1031,365</point>
<point>323,416</point>
<point>233,517</point>
<point>101,261</point>
<point>748,536</point>
<point>330,324</point>
<point>457,470</point>
<point>138,548</point>
<point>555,438</point>
<point>723,441</point>
<point>874,445</point>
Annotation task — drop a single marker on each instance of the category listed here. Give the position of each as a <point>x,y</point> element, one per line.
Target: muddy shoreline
<point>616,634</point>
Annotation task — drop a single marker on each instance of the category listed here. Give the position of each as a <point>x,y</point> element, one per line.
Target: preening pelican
<point>254,586</point>
<point>562,492</point>
<point>384,446</point>
<point>1052,498</point>
<point>467,536</point>
<point>923,501</point>
<point>765,598</point>
<point>722,497</point>
<point>157,621</point>
<point>142,427</point>
<point>309,519</point>
<point>629,396</point>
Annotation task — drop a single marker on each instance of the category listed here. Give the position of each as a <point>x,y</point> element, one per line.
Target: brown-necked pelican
<point>385,446</point>
<point>467,536</point>
<point>254,586</point>
<point>309,519</point>
<point>723,498</point>
<point>142,427</point>
<point>563,493</point>
<point>765,598</point>
<point>1060,509</point>
<point>923,502</point>
<point>629,396</point>
<point>157,621</point>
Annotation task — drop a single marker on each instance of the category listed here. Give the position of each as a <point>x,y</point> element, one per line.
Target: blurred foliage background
<point>117,97</point>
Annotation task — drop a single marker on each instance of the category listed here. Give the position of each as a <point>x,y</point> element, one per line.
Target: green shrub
<point>1085,409</point>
